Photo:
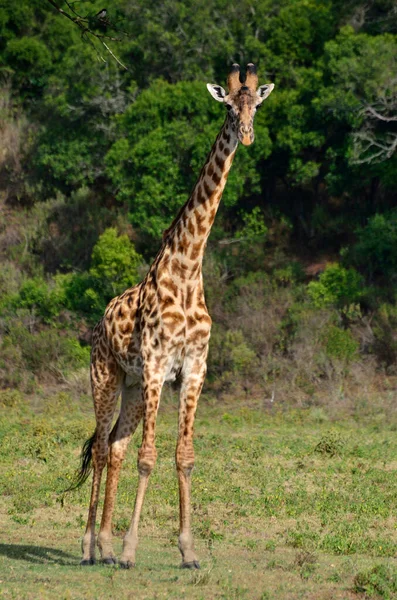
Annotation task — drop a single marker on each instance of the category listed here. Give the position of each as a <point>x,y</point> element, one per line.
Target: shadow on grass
<point>38,555</point>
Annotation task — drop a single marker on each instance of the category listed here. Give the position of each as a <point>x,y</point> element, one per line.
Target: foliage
<point>336,286</point>
<point>97,161</point>
<point>114,260</point>
<point>380,581</point>
<point>331,444</point>
<point>114,264</point>
<point>32,355</point>
<point>375,252</point>
<point>339,343</point>
<point>254,226</point>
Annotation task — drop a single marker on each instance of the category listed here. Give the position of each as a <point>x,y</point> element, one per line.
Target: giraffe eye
<point>258,106</point>
<point>228,106</point>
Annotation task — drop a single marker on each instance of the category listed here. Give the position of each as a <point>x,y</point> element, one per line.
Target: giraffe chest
<point>167,343</point>
<point>159,331</point>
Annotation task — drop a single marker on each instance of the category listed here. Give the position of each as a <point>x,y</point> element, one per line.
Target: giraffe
<point>158,331</point>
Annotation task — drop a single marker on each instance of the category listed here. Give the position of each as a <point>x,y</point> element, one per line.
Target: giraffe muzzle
<point>246,135</point>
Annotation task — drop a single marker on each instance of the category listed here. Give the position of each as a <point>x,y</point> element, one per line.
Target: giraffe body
<point>158,331</point>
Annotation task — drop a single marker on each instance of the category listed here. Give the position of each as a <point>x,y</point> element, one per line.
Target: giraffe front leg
<point>190,393</point>
<point>146,460</point>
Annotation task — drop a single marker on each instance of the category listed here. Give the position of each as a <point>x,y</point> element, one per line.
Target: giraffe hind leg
<point>131,413</point>
<point>106,378</point>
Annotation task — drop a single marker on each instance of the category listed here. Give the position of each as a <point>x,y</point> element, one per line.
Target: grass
<point>285,505</point>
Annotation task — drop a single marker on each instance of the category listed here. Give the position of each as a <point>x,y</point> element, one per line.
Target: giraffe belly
<point>174,364</point>
<point>131,365</point>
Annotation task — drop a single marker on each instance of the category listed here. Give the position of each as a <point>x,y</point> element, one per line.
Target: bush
<point>44,299</point>
<point>114,268</point>
<point>114,262</point>
<point>375,251</point>
<point>336,286</point>
<point>340,344</point>
<point>384,327</point>
<point>241,356</point>
<point>46,354</point>
<point>231,358</point>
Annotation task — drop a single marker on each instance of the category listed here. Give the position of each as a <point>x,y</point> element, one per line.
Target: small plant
<point>306,562</point>
<point>201,577</point>
<point>251,544</point>
<point>331,444</point>
<point>302,539</point>
<point>270,546</point>
<point>380,581</point>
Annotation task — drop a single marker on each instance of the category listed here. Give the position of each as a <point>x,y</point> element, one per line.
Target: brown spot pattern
<point>156,330</point>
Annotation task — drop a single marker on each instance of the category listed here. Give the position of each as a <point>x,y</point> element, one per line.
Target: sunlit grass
<point>273,492</point>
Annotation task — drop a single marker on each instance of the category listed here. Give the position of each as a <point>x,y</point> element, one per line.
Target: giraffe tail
<point>83,472</point>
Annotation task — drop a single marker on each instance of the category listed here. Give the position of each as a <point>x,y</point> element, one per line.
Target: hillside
<point>96,159</point>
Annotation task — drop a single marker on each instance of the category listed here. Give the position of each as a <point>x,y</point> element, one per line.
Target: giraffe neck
<point>188,234</point>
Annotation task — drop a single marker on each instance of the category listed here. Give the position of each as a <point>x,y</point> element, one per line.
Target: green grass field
<point>286,504</point>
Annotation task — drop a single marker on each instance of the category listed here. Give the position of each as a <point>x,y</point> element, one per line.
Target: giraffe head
<point>242,101</point>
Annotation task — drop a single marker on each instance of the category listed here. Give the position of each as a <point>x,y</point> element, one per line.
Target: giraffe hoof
<point>87,562</point>
<point>126,564</point>
<point>191,565</point>
<point>111,560</point>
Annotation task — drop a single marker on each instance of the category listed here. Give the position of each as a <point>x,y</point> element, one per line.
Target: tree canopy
<point>97,159</point>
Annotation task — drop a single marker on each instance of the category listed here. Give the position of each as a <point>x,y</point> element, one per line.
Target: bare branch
<point>371,112</point>
<point>83,24</point>
<point>369,149</point>
<point>227,242</point>
<point>114,56</point>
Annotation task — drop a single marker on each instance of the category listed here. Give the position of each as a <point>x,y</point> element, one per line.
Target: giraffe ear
<point>216,91</point>
<point>264,91</point>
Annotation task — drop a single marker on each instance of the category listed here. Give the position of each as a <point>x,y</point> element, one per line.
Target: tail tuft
<point>83,472</point>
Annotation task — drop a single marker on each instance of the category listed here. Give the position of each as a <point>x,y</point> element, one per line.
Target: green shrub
<point>384,326</point>
<point>330,444</point>
<point>114,268</point>
<point>375,251</point>
<point>241,356</point>
<point>114,262</point>
<point>10,398</point>
<point>292,273</point>
<point>340,344</point>
<point>46,353</point>
<point>254,226</point>
<point>230,355</point>
<point>336,286</point>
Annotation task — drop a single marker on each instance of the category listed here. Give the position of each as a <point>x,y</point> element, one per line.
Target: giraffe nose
<point>246,135</point>
<point>245,129</point>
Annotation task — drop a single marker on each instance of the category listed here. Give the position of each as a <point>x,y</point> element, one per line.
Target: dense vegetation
<point>95,161</point>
